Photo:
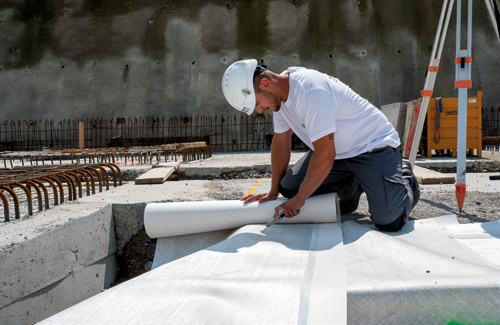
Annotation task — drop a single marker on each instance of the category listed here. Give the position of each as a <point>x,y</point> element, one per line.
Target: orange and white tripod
<point>463,62</point>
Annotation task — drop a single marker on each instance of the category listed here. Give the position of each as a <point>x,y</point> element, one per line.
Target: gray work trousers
<point>392,191</point>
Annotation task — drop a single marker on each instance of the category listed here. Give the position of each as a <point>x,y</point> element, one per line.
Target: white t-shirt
<point>318,105</point>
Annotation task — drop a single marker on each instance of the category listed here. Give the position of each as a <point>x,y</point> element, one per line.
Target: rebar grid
<point>126,156</point>
<point>52,185</point>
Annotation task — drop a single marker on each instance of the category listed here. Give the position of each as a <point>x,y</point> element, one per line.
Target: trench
<point>137,254</point>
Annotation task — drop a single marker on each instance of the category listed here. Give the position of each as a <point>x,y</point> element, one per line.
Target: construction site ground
<point>231,176</point>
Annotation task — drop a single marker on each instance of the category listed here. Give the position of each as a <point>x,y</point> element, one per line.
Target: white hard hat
<point>237,85</point>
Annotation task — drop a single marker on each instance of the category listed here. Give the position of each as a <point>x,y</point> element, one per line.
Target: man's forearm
<point>318,169</point>
<point>320,165</point>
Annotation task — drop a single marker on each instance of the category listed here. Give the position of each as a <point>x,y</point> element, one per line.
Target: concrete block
<point>38,252</point>
<point>75,287</point>
<point>396,114</point>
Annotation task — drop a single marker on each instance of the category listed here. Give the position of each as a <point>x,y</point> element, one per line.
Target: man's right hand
<point>261,198</point>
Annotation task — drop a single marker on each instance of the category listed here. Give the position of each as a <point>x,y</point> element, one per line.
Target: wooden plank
<point>427,176</point>
<point>158,175</point>
<point>173,146</point>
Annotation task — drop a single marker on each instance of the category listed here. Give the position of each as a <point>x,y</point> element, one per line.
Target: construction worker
<point>353,147</point>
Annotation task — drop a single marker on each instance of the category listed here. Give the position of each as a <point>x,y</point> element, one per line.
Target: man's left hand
<point>291,208</point>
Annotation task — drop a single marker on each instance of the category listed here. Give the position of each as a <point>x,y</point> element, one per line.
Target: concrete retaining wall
<point>129,220</point>
<point>54,260</point>
<point>79,59</point>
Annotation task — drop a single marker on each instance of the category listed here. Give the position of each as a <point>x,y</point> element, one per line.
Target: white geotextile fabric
<point>423,274</point>
<point>482,238</point>
<point>169,249</point>
<point>284,274</point>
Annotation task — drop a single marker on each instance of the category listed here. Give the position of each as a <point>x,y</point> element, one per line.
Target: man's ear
<point>265,84</point>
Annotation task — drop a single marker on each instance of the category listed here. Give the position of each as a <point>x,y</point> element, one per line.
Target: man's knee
<point>396,225</point>
<point>288,193</point>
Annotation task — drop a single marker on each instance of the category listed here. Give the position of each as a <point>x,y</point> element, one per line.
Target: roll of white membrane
<point>181,218</point>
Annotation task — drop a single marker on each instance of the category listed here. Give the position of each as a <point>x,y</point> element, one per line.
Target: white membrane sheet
<point>169,249</point>
<point>425,274</point>
<point>181,218</point>
<point>431,272</point>
<point>285,274</point>
<point>482,238</point>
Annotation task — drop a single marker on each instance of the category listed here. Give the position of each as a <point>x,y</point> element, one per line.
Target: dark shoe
<point>349,206</point>
<point>405,165</point>
<point>396,225</point>
<point>407,173</point>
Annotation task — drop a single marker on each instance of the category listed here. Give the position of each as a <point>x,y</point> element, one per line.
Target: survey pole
<point>463,81</point>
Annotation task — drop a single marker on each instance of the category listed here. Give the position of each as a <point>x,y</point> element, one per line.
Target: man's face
<point>266,100</point>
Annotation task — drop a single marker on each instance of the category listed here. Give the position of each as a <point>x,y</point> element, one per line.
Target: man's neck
<point>283,86</point>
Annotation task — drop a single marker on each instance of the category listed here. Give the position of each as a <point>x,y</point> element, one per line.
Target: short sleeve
<point>320,114</point>
<point>279,123</point>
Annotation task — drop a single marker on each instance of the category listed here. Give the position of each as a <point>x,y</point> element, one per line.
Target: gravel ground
<point>435,200</point>
<point>478,206</point>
